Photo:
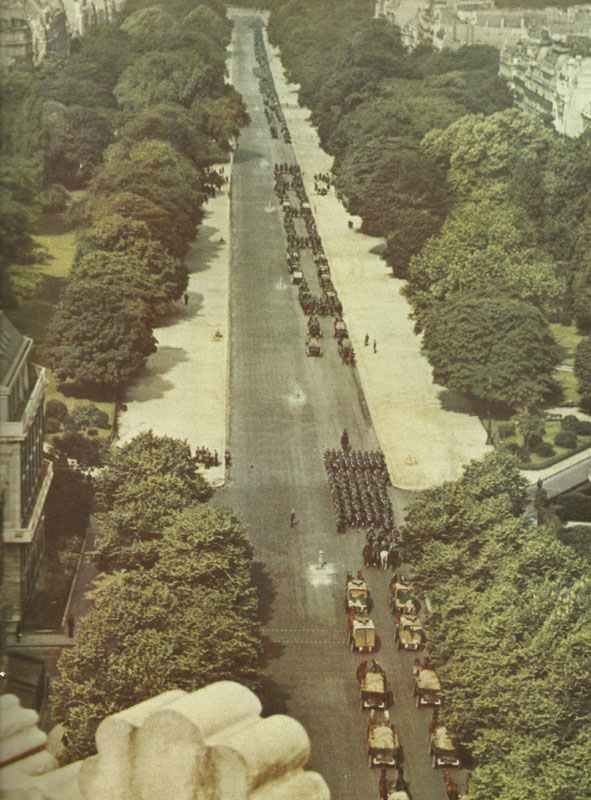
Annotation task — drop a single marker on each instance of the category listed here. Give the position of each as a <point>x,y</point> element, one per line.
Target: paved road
<point>560,479</point>
<point>285,409</point>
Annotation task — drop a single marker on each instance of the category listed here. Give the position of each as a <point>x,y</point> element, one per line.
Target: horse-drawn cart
<point>346,351</point>
<point>427,689</point>
<point>373,686</point>
<point>313,346</point>
<point>383,747</point>
<point>362,632</point>
<point>340,329</point>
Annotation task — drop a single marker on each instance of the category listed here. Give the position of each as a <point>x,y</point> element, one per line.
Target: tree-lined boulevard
<point>285,410</point>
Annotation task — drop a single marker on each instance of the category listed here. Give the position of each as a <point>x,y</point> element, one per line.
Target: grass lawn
<point>568,338</point>
<point>570,387</point>
<point>38,288</point>
<point>552,428</point>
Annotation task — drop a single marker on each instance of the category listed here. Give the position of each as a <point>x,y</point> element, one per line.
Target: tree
<point>115,233</point>
<point>18,188</point>
<point>175,124</point>
<point>68,504</point>
<point>583,371</point>
<point>188,621</point>
<point>99,337</point>
<point>494,349</point>
<point>137,209</point>
<point>167,77</point>
<point>483,247</point>
<point>476,149</point>
<point>156,172</point>
<point>147,480</point>
<point>76,138</point>
<point>531,426</point>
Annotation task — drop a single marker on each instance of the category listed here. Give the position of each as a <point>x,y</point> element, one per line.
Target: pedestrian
<point>392,556</point>
<point>345,439</point>
<point>292,518</point>
<point>375,346</point>
<point>375,556</point>
<point>366,552</point>
<point>186,298</point>
<point>367,339</point>
<point>71,625</point>
<point>384,558</point>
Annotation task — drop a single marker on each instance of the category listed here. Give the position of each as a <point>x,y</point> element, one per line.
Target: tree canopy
<point>494,349</point>
<point>188,620</point>
<point>510,633</point>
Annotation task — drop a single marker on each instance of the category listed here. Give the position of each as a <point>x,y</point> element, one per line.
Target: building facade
<point>547,80</point>
<point>25,476</point>
<point>31,30</point>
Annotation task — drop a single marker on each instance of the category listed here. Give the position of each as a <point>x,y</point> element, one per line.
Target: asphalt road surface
<point>285,410</point>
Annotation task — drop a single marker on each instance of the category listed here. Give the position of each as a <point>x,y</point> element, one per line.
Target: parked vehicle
<point>427,690</point>
<point>340,329</point>
<point>313,346</point>
<point>373,685</point>
<point>402,598</point>
<point>410,634</point>
<point>357,596</point>
<point>383,747</point>
<point>362,632</point>
<point>443,749</point>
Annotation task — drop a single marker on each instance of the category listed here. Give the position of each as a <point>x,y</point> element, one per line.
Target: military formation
<point>317,294</point>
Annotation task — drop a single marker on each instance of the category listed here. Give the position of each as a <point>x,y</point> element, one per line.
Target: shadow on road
<point>273,697</point>
<point>205,249</point>
<point>150,383</point>
<point>266,589</point>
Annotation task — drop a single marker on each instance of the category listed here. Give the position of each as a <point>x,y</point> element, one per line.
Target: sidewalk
<point>182,390</point>
<point>424,443</point>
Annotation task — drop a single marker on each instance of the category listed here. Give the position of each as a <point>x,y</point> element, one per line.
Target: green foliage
<point>56,409</point>
<point>87,452</point>
<point>493,349</point>
<point>99,336</point>
<point>89,415</point>
<point>583,371</point>
<point>18,188</point>
<point>159,174</point>
<point>575,506</point>
<point>175,124</point>
<point>531,427</point>
<point>147,480</point>
<point>166,77</point>
<point>506,430</point>
<point>52,425</point>
<point>566,439</point>
<point>68,505</point>
<point>483,247</point>
<point>76,138</point>
<point>188,620</point>
<point>509,599</point>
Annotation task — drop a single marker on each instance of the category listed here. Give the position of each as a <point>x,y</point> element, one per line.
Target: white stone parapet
<point>211,744</point>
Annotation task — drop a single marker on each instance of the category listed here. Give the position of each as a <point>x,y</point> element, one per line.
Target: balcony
<point>26,535</point>
<point>17,428</point>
